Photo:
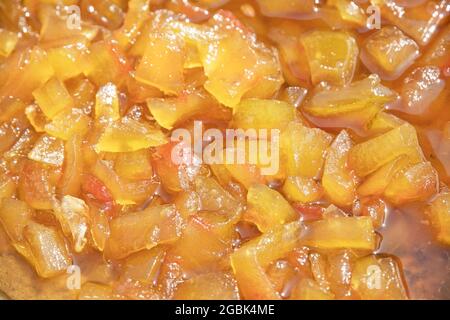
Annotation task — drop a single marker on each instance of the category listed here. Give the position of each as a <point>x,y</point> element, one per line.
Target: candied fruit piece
<point>53,98</point>
<point>292,9</point>
<point>308,289</point>
<point>68,61</point>
<point>383,122</point>
<point>377,278</point>
<point>389,52</point>
<point>262,114</point>
<point>143,230</point>
<point>332,56</point>
<point>376,183</point>
<point>439,213</point>
<point>250,260</point>
<point>137,15</point>
<point>421,89</point>
<point>134,165</point>
<point>8,42</point>
<point>268,208</point>
<point>353,106</point>
<point>439,51</point>
<point>144,266</point>
<point>415,183</point>
<point>304,149</point>
<point>421,22</point>
<point>349,11</point>
<point>300,189</point>
<point>127,135</point>
<point>47,250</point>
<point>253,66</point>
<point>162,65</point>
<point>341,232</point>
<point>368,156</point>
<point>107,106</point>
<point>209,286</point>
<point>14,217</point>
<point>338,181</point>
<point>36,117</point>
<point>70,182</point>
<point>73,214</point>
<point>48,150</point>
<point>106,13</point>
<point>68,123</point>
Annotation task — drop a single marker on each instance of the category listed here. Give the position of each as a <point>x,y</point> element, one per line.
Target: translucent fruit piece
<point>415,183</point>
<point>107,106</point>
<point>144,266</point>
<point>389,52</point>
<point>349,11</point>
<point>68,123</point>
<point>47,250</point>
<point>134,165</point>
<point>48,150</point>
<point>256,74</point>
<point>341,232</point>
<point>308,289</point>
<point>304,149</point>
<point>377,278</point>
<point>338,181</point>
<point>250,261</point>
<point>270,208</point>
<point>420,90</point>
<point>129,135</point>
<point>165,51</point>
<point>368,156</point>
<point>383,122</point>
<point>68,61</point>
<point>300,189</point>
<point>296,9</point>
<point>8,42</point>
<point>36,117</point>
<point>107,13</point>
<point>263,114</point>
<point>14,217</point>
<point>438,52</point>
<point>53,98</point>
<point>210,286</point>
<point>70,183</point>
<point>143,230</point>
<point>421,22</point>
<point>332,56</point>
<point>439,213</point>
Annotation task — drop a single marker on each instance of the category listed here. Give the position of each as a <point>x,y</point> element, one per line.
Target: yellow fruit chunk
<point>263,114</point>
<point>210,286</point>
<point>250,261</point>
<point>213,197</point>
<point>421,21</point>
<point>143,230</point>
<point>107,106</point>
<point>73,214</point>
<point>37,118</point>
<point>303,149</point>
<point>70,182</point>
<point>129,135</point>
<point>389,52</point>
<point>15,215</point>
<point>414,183</point>
<point>144,266</point>
<point>169,112</point>
<point>376,278</point>
<point>23,73</point>
<point>53,98</point>
<point>164,52</point>
<point>138,13</point>
<point>349,11</point>
<point>308,289</point>
<point>134,165</point>
<point>48,150</point>
<point>352,106</point>
<point>270,208</point>
<point>300,189</point>
<point>341,232</point>
<point>47,250</point>
<point>439,213</point>
<point>246,174</point>
<point>332,56</point>
<point>105,63</point>
<point>8,42</point>
<point>288,8</point>
<point>256,74</point>
<point>371,155</point>
<point>384,122</point>
<point>68,123</point>
<point>338,181</point>
<point>68,61</point>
